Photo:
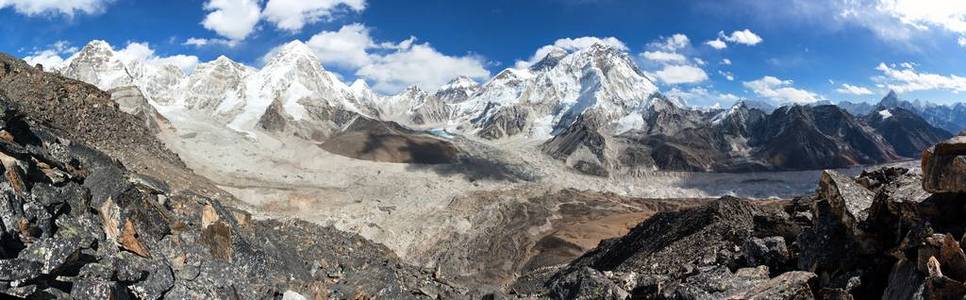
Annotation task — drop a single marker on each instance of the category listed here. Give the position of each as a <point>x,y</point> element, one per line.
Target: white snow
<point>885,113</point>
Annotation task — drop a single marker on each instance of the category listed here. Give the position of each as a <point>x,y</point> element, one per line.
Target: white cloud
<point>673,43</point>
<point>853,90</point>
<point>726,62</point>
<point>65,7</point>
<point>346,47</point>
<point>727,75</point>
<point>909,79</point>
<point>780,91</point>
<point>570,45</point>
<point>51,57</point>
<point>419,65</point>
<point>962,41</point>
<point>292,15</point>
<point>233,19</point>
<point>661,56</point>
<point>923,14</point>
<point>699,61</point>
<point>202,42</point>
<point>717,44</point>
<point>744,37</point>
<point>702,97</point>
<point>681,74</point>
<point>391,67</point>
<point>142,52</point>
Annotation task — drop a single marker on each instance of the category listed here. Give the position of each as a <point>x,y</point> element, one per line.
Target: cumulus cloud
<point>923,14</point>
<point>392,66</point>
<point>52,56</point>
<point>292,15</point>
<point>781,91</point>
<point>717,44</point>
<point>702,97</point>
<point>853,90</point>
<point>678,74</point>
<point>233,19</point>
<point>347,47</point>
<point>570,45</point>
<point>672,43</point>
<point>907,79</point>
<point>727,75</point>
<point>142,52</point>
<point>674,67</point>
<point>744,37</point>
<point>56,7</point>
<point>661,56</point>
<point>726,62</point>
<point>419,65</point>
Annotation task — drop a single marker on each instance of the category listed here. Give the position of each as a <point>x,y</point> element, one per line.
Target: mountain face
<point>905,130</point>
<point>559,89</point>
<point>802,137</point>
<point>739,139</point>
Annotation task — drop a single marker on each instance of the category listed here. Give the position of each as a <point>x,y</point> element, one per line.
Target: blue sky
<point>785,51</point>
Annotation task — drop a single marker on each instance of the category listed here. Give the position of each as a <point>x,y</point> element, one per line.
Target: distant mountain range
<point>592,108</point>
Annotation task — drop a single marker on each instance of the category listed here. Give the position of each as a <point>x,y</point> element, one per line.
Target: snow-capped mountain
<point>98,64</point>
<point>600,81</point>
<point>952,117</point>
<point>552,93</point>
<point>213,86</point>
<point>457,90</point>
<point>311,98</point>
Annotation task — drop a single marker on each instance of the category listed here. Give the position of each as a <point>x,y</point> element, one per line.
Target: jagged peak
<point>511,73</point>
<point>293,52</point>
<point>98,45</point>
<point>359,85</point>
<point>461,82</point>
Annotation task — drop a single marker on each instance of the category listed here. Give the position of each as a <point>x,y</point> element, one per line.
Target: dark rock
<point>586,283</point>
<point>94,289</point>
<point>770,251</point>
<point>19,269</point>
<point>52,253</point>
<point>905,282</point>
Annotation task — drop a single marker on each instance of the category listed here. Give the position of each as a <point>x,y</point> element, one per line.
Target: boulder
<point>944,166</point>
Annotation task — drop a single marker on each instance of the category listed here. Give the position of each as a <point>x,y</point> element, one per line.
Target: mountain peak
<point>359,84</point>
<point>461,82</point>
<point>294,52</point>
<point>98,45</point>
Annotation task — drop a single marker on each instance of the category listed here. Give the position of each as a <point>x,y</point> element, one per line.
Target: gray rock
<point>52,253</point>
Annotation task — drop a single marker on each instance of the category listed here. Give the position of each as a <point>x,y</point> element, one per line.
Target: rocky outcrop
<point>582,145</point>
<point>944,166</point>
<point>888,234</point>
<point>684,255</point>
<point>74,223</point>
<point>506,122</point>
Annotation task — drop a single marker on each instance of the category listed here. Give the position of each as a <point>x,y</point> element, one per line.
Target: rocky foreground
<point>74,223</point>
<point>890,234</point>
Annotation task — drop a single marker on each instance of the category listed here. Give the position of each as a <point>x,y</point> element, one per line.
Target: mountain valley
<point>472,190</point>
